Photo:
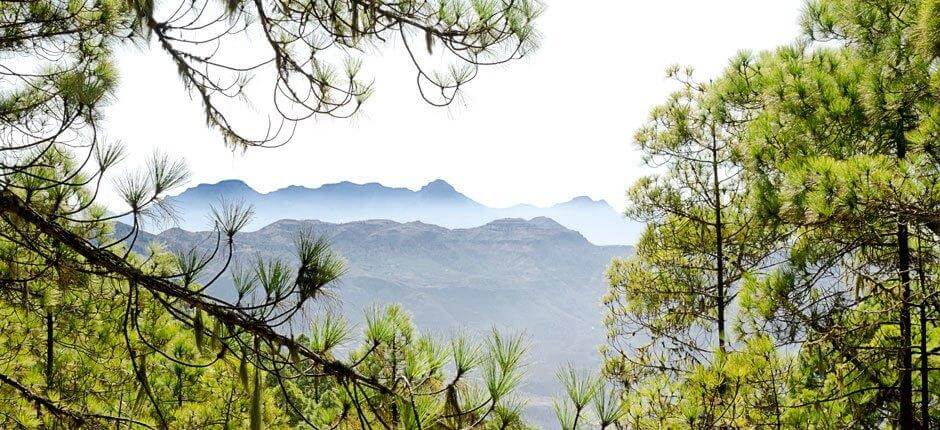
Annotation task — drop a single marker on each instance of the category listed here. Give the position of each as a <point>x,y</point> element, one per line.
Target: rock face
<point>534,276</point>
<point>436,203</point>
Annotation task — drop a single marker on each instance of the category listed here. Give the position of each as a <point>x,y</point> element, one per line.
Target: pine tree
<point>669,305</point>
<point>111,333</point>
<point>834,139</point>
<point>845,168</point>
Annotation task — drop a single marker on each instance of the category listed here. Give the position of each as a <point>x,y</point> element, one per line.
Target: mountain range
<point>436,203</point>
<point>531,276</point>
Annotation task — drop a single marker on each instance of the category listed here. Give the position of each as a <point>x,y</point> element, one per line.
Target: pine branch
<point>224,312</point>
<point>60,412</point>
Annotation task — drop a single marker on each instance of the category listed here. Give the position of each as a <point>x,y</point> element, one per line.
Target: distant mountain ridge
<point>531,276</point>
<point>436,203</point>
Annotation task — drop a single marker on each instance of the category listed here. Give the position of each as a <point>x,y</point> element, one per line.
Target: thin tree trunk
<point>117,424</point>
<point>905,386</point>
<point>924,356</point>
<point>719,245</point>
<point>49,350</point>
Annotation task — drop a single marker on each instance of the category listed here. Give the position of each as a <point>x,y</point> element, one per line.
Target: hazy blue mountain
<point>436,203</point>
<point>534,276</point>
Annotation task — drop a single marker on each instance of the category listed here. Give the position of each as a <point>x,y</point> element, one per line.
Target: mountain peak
<point>584,201</point>
<point>343,185</point>
<point>438,186</point>
<point>440,190</point>
<point>546,222</point>
<point>541,222</point>
<point>228,187</point>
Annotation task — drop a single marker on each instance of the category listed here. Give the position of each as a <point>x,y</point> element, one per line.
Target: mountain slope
<point>436,203</point>
<point>533,276</point>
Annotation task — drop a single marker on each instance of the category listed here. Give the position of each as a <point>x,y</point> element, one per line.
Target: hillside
<point>534,276</point>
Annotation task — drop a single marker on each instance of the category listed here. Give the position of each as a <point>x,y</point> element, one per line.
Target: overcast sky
<point>555,125</point>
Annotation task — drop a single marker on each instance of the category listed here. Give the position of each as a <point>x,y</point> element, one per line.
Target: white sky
<point>542,130</point>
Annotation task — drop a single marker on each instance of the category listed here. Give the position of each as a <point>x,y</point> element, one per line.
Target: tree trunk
<point>719,245</point>
<point>905,385</point>
<point>924,356</point>
<point>49,350</point>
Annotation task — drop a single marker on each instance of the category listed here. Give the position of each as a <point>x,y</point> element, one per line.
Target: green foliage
<point>588,401</point>
<point>832,193</point>
<point>95,334</point>
<point>186,377</point>
<point>319,265</point>
<point>91,375</point>
<point>427,394</point>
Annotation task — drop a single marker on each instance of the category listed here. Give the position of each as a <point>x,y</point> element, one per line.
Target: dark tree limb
<point>224,312</point>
